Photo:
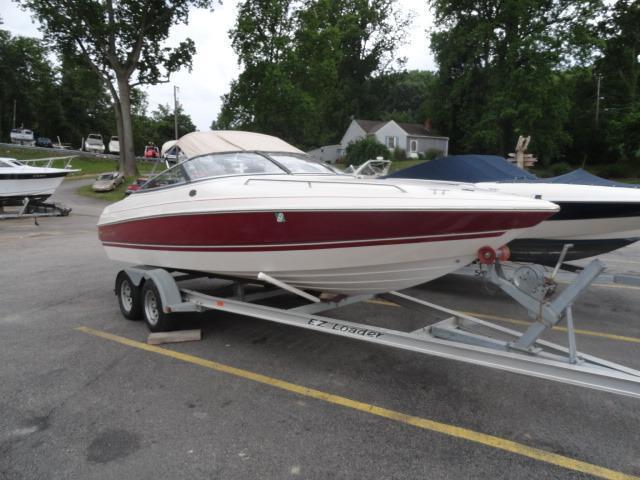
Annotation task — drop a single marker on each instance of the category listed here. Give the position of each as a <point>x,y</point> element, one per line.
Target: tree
<point>164,126</point>
<point>619,68</point>
<point>28,79</point>
<point>499,64</point>
<point>264,97</point>
<point>85,101</point>
<point>340,45</point>
<point>401,96</point>
<point>306,64</point>
<point>123,42</point>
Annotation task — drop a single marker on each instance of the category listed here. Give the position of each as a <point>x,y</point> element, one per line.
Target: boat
<point>19,181</point>
<point>22,136</point>
<point>244,204</point>
<point>596,215</point>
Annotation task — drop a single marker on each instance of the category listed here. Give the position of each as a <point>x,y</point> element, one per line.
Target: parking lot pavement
<point>77,405</point>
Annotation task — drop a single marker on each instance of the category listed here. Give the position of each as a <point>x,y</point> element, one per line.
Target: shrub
<point>559,168</point>
<point>616,170</point>
<point>399,154</point>
<point>432,153</point>
<point>365,149</point>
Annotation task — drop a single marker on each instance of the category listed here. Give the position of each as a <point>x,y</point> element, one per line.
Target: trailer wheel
<point>128,297</point>
<point>155,317</point>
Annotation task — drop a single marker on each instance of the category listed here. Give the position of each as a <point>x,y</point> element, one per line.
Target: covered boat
<point>242,203</point>
<point>596,215</point>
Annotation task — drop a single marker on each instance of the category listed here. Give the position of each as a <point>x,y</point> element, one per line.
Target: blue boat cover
<point>582,177</point>
<point>492,168</point>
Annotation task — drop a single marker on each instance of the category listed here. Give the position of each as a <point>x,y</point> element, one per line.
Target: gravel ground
<point>78,406</point>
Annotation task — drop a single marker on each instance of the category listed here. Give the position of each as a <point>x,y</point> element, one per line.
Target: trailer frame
<point>457,337</point>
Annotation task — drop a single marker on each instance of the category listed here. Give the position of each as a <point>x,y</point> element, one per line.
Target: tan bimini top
<point>220,141</point>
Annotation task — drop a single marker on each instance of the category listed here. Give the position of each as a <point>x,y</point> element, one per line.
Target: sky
<point>215,64</point>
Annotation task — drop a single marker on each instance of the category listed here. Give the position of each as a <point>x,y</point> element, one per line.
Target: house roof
<point>370,126</point>
<point>417,129</point>
<point>412,129</point>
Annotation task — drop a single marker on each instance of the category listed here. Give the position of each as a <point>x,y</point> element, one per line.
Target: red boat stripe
<point>301,246</point>
<point>245,230</point>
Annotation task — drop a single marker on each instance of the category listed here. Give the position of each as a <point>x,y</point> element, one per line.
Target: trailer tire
<point>154,315</point>
<point>129,298</point>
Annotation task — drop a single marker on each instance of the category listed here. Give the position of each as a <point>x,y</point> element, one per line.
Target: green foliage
<point>367,148</point>
<point>432,153</point>
<point>620,87</point>
<point>305,65</point>
<point>618,170</point>
<point>398,154</point>
<point>124,44</point>
<point>497,78</point>
<point>559,168</point>
<point>400,96</point>
<point>159,127</point>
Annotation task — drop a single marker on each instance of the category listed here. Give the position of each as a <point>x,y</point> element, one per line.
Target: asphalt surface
<point>74,405</point>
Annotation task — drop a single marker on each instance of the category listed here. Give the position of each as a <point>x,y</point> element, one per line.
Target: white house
<point>327,154</point>
<point>413,138</point>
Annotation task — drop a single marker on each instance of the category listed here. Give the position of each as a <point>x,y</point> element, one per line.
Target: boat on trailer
<point>252,211</point>
<point>596,215</point>
<point>245,204</point>
<point>19,181</point>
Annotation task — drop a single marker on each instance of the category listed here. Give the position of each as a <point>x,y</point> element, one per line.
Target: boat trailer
<point>154,294</point>
<point>34,209</point>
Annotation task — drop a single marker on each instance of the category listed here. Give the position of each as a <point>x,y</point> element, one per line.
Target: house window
<point>413,146</point>
<point>391,142</point>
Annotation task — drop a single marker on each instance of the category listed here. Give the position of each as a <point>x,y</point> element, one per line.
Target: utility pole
<point>599,79</point>
<point>175,111</point>
<point>14,113</point>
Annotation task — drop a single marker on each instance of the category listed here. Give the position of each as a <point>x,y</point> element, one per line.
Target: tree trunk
<point>117,110</point>
<point>127,153</point>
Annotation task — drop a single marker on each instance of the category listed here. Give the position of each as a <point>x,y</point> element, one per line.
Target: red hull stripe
<point>302,246</point>
<point>262,229</point>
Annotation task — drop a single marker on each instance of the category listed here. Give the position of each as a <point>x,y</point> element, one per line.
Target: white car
<point>94,143</point>
<point>105,182</point>
<point>114,145</point>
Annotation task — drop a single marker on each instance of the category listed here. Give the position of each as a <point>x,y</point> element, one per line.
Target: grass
<point>397,165</point>
<point>628,180</point>
<point>112,196</point>
<point>29,154</point>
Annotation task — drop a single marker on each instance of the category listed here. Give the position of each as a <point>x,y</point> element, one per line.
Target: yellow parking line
<point>426,424</point>
<point>579,331</point>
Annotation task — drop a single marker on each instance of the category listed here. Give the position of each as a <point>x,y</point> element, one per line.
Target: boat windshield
<point>9,162</point>
<point>239,163</point>
<point>300,164</point>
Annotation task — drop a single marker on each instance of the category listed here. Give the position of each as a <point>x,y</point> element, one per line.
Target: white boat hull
<point>350,270</point>
<point>29,187</point>
<point>332,235</point>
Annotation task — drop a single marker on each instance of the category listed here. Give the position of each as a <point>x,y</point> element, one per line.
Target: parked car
<point>94,143</point>
<point>105,182</point>
<point>114,145</point>
<point>151,151</point>
<point>135,186</point>
<point>44,142</point>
